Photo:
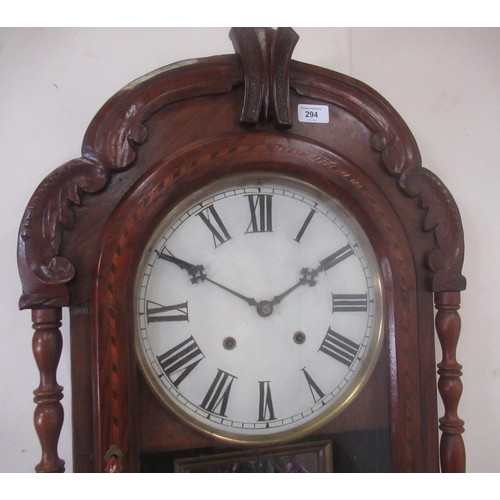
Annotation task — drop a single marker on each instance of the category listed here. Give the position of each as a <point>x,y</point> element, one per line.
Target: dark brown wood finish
<point>450,386</point>
<point>49,414</point>
<point>173,131</point>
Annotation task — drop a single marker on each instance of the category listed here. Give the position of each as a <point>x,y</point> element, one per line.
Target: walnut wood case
<point>173,131</point>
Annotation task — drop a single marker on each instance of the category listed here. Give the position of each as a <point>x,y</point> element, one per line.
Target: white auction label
<point>313,113</point>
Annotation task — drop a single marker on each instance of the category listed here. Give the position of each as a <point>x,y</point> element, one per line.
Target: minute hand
<point>335,258</point>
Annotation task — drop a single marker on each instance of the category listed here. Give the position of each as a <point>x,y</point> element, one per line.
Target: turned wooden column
<point>49,414</point>
<point>448,323</point>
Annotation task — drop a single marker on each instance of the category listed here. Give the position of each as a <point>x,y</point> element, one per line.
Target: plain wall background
<point>443,82</point>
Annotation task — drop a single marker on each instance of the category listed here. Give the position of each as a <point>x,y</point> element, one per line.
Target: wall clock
<point>250,251</point>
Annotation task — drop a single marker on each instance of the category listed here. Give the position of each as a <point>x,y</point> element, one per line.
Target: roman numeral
<point>316,392</point>
<point>336,257</point>
<point>266,409</point>
<point>213,221</point>
<point>349,302</point>
<point>181,360</point>
<point>261,213</point>
<point>217,396</point>
<point>339,347</point>
<point>304,226</point>
<point>156,313</point>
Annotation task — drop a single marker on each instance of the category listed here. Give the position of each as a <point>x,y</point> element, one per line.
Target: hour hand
<point>196,272</point>
<point>307,278</point>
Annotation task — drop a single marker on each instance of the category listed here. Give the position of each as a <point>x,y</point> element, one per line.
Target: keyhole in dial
<point>229,343</point>
<point>299,337</point>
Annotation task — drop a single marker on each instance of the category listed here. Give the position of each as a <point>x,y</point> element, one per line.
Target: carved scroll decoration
<point>110,144</point>
<point>115,133</point>
<point>443,217</point>
<point>49,213</point>
<point>400,157</point>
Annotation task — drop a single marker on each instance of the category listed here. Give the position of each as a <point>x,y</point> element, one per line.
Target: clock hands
<point>264,307</point>
<point>308,278</point>
<point>197,274</point>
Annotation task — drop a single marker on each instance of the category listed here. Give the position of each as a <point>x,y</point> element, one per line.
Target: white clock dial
<point>258,308</point>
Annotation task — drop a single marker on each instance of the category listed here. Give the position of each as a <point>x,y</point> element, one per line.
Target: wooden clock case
<point>173,131</point>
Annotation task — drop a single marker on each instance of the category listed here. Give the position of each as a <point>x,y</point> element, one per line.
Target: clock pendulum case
<point>251,253</point>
